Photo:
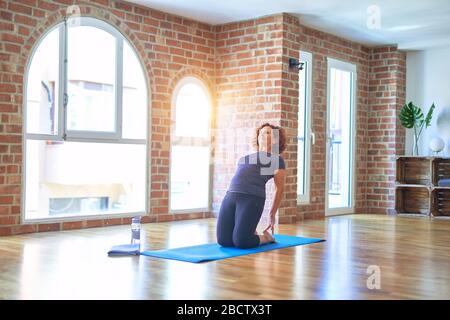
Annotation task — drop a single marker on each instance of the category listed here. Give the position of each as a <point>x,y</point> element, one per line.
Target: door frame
<point>345,66</point>
<point>307,58</point>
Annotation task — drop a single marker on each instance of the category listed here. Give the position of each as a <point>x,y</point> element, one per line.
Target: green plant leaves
<point>429,116</point>
<point>411,115</point>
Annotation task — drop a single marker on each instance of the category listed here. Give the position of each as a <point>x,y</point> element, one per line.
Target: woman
<point>243,204</point>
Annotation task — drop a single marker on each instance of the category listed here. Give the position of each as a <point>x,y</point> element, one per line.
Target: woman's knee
<point>223,238</point>
<point>244,242</point>
<point>225,242</point>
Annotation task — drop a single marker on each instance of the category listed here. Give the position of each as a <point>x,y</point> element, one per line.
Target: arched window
<point>85,125</point>
<point>190,147</point>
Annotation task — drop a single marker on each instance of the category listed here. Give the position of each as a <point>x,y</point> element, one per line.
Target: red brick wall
<point>239,105</point>
<point>248,88</point>
<point>387,86</point>
<point>169,46</point>
<point>240,77</point>
<point>254,85</point>
<point>288,211</point>
<point>245,66</point>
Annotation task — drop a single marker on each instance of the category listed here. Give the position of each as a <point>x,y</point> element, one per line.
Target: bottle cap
<point>136,219</point>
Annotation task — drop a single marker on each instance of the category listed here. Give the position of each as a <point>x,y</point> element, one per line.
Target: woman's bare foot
<point>269,237</point>
<point>266,237</point>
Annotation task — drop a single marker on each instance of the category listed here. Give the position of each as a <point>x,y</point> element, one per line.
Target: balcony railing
<point>334,186</point>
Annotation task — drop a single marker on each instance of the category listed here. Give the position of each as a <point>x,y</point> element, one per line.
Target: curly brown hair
<point>282,137</point>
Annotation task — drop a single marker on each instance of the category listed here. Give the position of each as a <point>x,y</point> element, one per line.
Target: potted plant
<point>412,117</point>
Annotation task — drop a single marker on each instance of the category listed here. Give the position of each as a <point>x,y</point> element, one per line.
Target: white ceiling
<point>412,24</point>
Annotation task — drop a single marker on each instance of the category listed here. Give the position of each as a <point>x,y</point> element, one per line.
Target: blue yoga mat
<point>213,251</point>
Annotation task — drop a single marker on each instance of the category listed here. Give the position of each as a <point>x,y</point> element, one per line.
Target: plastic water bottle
<point>136,231</point>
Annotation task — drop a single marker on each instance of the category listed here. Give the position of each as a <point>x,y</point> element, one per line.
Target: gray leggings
<point>239,216</point>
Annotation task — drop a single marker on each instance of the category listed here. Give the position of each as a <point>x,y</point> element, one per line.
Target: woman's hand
<point>272,223</point>
<point>280,180</point>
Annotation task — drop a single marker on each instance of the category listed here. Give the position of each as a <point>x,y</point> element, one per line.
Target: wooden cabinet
<point>417,190</point>
<point>440,206</point>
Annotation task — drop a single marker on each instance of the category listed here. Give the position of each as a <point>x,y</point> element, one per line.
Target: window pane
<point>43,87</point>
<point>192,112</point>
<point>91,79</point>
<point>301,130</point>
<point>189,177</point>
<point>134,96</point>
<point>65,179</point>
<point>340,126</point>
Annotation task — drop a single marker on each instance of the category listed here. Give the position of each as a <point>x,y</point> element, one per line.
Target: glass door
<point>340,137</point>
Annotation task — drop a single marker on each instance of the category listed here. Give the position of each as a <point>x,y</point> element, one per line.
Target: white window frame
<point>345,66</point>
<point>304,198</point>
<point>83,136</point>
<point>189,141</point>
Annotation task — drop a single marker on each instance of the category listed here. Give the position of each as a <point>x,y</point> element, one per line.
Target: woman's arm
<point>280,180</point>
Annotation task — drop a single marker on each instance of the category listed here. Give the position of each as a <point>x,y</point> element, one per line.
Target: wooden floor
<point>413,255</point>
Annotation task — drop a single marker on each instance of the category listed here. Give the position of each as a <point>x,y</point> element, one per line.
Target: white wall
<point>428,81</point>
